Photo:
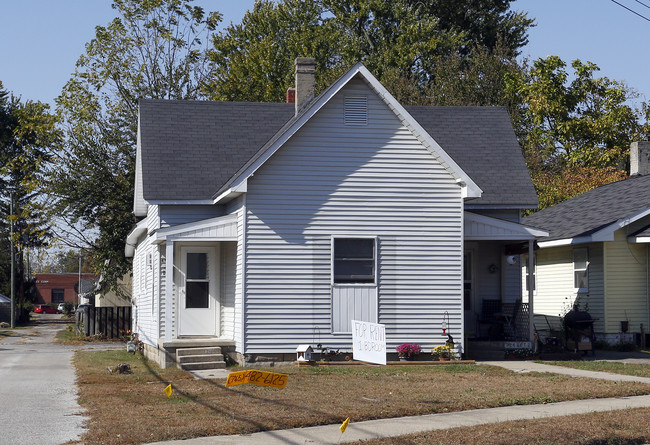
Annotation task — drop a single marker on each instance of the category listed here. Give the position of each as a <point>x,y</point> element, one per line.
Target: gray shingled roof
<point>482,142</point>
<point>190,149</point>
<point>593,210</point>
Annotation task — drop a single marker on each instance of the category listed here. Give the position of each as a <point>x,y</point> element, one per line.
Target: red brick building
<point>55,288</point>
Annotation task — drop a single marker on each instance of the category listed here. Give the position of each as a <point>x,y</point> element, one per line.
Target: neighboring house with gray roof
<point>597,251</point>
<point>267,226</point>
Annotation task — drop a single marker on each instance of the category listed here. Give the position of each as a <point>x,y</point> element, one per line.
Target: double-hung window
<point>354,261</point>
<point>581,270</point>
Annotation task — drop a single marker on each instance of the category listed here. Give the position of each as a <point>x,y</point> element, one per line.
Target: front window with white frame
<point>581,269</point>
<point>354,260</point>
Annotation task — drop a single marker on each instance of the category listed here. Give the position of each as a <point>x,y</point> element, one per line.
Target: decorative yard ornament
<point>445,322</point>
<point>303,353</point>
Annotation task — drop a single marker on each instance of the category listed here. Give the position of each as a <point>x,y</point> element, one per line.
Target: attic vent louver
<point>356,110</point>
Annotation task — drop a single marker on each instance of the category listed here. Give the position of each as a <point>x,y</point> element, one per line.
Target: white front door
<point>198,292</point>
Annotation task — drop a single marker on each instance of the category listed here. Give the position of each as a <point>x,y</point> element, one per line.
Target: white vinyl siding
<point>228,274</point>
<point>153,218</point>
<point>145,290</point>
<point>373,181</point>
<point>626,284</point>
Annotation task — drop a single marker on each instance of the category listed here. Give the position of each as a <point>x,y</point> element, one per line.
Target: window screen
<point>354,260</point>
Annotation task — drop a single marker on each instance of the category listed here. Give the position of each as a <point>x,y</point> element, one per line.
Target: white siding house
<point>274,225</point>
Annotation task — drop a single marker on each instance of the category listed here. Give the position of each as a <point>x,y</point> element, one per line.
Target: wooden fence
<point>111,322</point>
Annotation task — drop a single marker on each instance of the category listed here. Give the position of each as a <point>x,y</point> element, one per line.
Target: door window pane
<point>196,295</point>
<point>197,266</point>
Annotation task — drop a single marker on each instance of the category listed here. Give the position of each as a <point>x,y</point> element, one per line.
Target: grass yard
<point>623,427</point>
<point>132,408</point>
<point>634,369</point>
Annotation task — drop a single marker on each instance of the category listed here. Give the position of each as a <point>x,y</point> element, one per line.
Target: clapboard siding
<point>144,292</point>
<point>555,294</point>
<point>173,215</point>
<point>374,180</point>
<point>153,218</point>
<point>228,274</point>
<point>626,284</point>
<point>238,207</point>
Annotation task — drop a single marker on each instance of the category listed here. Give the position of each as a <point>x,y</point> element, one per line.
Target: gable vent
<point>356,110</point>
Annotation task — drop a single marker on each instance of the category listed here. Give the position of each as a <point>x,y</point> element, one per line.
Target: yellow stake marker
<point>344,425</point>
<point>169,390</point>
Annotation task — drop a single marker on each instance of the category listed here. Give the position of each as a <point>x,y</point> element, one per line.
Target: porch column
<point>169,289</point>
<point>531,291</point>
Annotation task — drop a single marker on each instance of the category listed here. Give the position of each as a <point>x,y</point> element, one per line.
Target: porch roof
<point>481,227</point>
<point>221,228</point>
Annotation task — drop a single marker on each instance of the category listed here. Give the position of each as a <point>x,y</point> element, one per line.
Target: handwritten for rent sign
<point>369,342</point>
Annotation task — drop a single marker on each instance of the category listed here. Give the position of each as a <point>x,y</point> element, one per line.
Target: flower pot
<point>405,359</point>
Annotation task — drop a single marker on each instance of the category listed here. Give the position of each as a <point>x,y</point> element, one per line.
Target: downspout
<point>647,291</point>
<point>531,285</point>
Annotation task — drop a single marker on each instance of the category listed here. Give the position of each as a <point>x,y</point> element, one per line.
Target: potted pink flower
<point>407,351</point>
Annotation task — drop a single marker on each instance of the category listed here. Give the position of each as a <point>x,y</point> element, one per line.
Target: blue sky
<point>42,39</point>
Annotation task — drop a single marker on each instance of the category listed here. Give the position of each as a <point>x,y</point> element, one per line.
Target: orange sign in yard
<point>262,378</point>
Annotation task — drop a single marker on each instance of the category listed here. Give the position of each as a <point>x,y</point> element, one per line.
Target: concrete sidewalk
<point>529,366</point>
<point>372,429</point>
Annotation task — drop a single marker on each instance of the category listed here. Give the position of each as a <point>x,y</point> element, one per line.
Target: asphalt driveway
<point>38,395</point>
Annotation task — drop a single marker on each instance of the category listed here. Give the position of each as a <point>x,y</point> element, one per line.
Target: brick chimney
<point>305,80</point>
<point>640,158</point>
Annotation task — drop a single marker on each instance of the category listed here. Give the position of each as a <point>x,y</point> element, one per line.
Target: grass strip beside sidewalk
<point>132,408</point>
<point>616,367</point>
<point>621,427</point>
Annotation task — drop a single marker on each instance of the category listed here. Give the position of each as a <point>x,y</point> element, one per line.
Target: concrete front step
<point>202,365</point>
<point>199,358</point>
<point>198,351</point>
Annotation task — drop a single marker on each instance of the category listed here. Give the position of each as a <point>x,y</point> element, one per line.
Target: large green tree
<point>403,42</point>
<point>152,49</point>
<point>28,136</point>
<point>575,133</point>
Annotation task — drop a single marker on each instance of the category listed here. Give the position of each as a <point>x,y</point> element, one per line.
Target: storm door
<point>198,298</point>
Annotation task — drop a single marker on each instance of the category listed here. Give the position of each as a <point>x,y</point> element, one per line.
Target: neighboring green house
<point>597,251</point>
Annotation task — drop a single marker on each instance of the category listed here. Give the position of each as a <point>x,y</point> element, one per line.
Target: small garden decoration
<point>443,353</point>
<point>408,351</point>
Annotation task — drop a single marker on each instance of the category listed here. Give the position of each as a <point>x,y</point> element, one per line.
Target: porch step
<point>183,352</point>
<point>197,358</point>
<point>192,359</point>
<point>202,365</point>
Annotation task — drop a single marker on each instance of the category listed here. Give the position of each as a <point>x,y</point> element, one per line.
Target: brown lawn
<point>611,428</point>
<point>132,408</point>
